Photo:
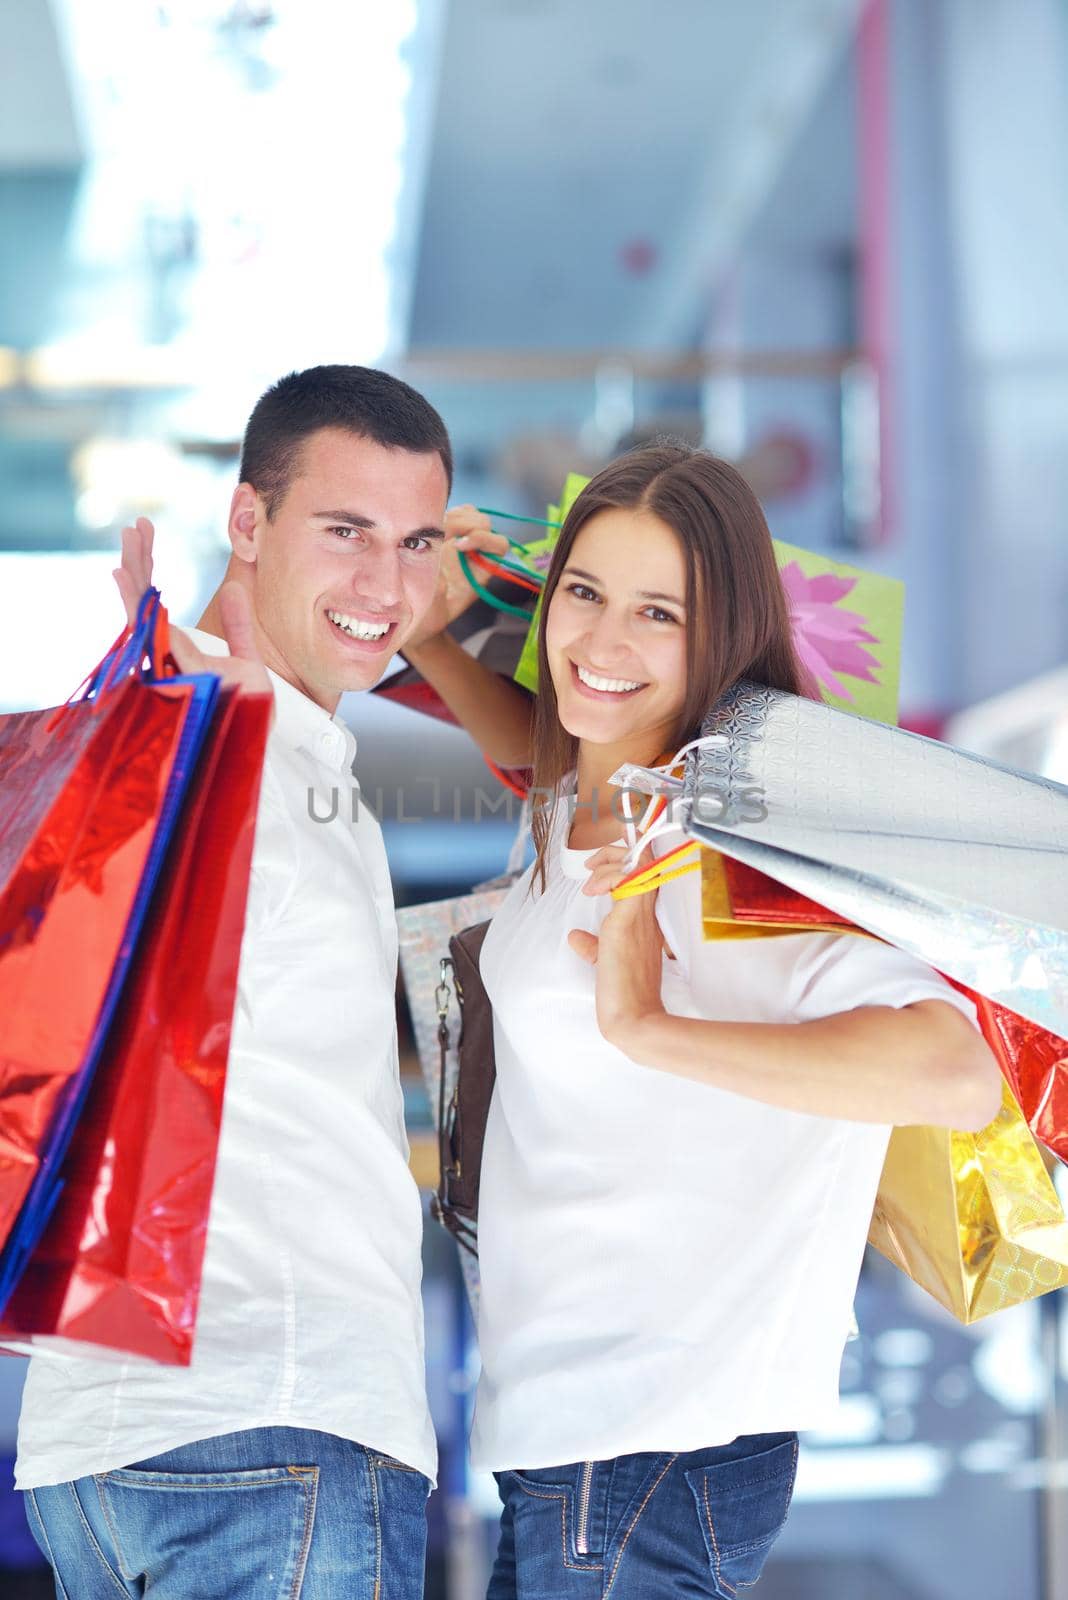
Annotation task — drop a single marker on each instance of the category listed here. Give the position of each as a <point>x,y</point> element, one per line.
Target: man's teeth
<point>358,627</point>
<point>605,685</point>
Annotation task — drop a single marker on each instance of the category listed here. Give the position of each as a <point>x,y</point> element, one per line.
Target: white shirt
<point>310,1313</point>
<point>664,1264</point>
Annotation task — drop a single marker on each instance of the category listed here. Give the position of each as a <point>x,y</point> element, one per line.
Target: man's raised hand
<point>134,576</point>
<point>244,667</point>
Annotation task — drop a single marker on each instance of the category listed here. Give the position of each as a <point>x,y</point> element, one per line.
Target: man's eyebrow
<point>353,519</point>
<point>643,594</point>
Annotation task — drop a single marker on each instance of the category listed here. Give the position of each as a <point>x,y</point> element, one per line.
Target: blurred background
<point>828,238</point>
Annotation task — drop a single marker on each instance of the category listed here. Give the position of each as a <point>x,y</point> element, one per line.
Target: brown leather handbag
<point>462,1115</point>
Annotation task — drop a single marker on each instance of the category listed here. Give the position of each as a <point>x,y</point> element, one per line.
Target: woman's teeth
<point>605,685</point>
<point>358,627</point>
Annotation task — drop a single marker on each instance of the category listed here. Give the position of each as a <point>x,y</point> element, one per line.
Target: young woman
<point>685,1138</point>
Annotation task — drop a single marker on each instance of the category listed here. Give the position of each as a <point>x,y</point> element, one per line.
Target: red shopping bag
<point>120,1262</point>
<point>88,797</point>
<point>1035,1063</point>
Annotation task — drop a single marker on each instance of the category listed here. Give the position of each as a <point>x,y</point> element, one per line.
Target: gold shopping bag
<point>973,1218</point>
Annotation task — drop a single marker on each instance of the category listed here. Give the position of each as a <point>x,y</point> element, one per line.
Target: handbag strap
<point>440,1206</point>
<point>441,1000</point>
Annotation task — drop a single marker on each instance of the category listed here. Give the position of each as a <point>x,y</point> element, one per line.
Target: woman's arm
<point>496,712</point>
<point>920,1063</point>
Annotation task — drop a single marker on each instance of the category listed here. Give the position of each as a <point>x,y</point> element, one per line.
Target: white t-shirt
<point>665,1264</point>
<point>310,1313</point>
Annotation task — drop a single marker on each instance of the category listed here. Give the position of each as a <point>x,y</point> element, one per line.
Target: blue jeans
<point>272,1513</point>
<point>645,1525</point>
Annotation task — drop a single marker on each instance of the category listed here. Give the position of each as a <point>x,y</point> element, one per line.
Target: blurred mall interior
<point>828,238</point>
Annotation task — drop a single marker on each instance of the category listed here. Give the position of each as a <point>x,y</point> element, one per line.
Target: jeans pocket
<point>189,1532</point>
<point>399,1495</point>
<point>742,1506</point>
<point>558,1516</point>
<point>377,1459</point>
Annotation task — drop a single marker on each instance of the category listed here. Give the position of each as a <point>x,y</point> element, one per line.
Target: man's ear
<point>246,517</point>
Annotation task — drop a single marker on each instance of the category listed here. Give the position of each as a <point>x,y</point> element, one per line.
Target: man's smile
<point>374,633</point>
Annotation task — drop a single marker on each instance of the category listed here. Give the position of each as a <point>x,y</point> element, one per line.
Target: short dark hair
<point>368,403</point>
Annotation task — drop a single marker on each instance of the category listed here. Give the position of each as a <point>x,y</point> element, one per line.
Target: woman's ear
<point>245,516</point>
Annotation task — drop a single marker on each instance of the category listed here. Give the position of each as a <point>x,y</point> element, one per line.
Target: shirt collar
<point>299,722</point>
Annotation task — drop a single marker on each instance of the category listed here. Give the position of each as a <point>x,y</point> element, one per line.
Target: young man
<point>295,1454</point>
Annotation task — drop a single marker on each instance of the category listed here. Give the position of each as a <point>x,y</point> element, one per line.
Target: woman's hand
<point>628,953</point>
<point>468,530</point>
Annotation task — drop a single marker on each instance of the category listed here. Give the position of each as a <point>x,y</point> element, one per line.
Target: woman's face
<point>615,633</point>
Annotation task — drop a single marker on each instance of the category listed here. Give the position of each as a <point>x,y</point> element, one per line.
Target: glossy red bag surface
<point>1033,1061</point>
<point>120,1262</point>
<point>754,897</point>
<point>82,791</point>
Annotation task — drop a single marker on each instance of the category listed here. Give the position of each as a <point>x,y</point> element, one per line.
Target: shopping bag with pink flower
<point>847,623</point>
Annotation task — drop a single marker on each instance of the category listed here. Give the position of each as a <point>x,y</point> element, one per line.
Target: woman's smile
<point>601,686</point>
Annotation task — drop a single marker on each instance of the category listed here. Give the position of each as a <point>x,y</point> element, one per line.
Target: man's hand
<point>467,530</point>
<point>628,953</point>
<point>135,574</point>
<point>244,667</point>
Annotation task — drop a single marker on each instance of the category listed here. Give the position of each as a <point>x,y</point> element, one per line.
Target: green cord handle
<point>514,567</point>
<point>484,594</point>
<point>510,516</point>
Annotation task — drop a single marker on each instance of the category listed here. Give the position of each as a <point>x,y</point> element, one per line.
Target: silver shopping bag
<point>954,858</point>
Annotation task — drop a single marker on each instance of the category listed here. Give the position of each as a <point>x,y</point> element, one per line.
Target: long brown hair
<point>738,623</point>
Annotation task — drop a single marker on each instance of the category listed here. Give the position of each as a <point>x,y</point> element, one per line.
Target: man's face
<point>347,565</point>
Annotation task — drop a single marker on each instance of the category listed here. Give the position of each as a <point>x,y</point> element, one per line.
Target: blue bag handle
<point>129,651</point>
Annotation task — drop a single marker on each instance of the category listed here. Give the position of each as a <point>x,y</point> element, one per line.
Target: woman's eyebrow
<point>642,594</point>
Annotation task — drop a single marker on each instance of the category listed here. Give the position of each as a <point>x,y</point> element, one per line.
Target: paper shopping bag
<point>89,797</point>
<point>119,1264</point>
<point>1035,1063</point>
<point>973,1218</point>
<point>424,933</point>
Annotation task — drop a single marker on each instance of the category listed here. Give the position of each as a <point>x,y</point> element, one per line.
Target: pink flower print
<point>828,637</point>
